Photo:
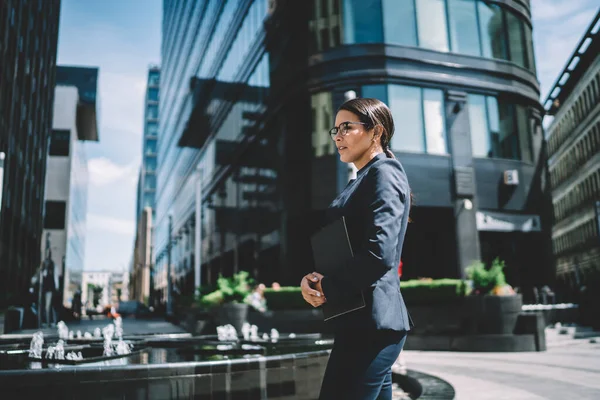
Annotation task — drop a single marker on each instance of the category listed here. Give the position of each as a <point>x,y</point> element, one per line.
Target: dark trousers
<point>360,364</point>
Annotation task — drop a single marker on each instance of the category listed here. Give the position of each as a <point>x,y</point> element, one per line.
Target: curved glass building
<point>249,155</point>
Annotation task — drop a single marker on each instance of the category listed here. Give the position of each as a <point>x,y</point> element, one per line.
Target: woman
<point>376,206</point>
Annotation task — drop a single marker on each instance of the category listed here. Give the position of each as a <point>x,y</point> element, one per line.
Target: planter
<point>232,313</point>
<point>492,314</point>
<point>500,313</point>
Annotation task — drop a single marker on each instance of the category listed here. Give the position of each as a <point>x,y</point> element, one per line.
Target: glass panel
<point>492,31</point>
<point>153,94</point>
<point>529,47</point>
<point>433,110</point>
<point>362,21</point>
<point>376,92</point>
<point>152,129</point>
<point>399,25</point>
<point>153,79</point>
<point>405,103</point>
<point>151,146</point>
<point>322,121</point>
<point>431,20</point>
<point>152,112</point>
<point>463,27</point>
<point>507,145</point>
<point>524,134</point>
<point>516,40</point>
<point>480,136</point>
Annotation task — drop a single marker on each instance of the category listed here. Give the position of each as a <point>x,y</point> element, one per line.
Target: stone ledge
<point>474,343</point>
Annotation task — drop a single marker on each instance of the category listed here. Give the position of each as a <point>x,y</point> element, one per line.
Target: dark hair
<point>374,112</point>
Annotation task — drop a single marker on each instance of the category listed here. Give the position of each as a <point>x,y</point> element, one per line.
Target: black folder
<point>332,252</point>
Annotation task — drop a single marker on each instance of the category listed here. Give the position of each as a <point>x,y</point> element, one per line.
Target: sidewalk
<point>564,371</point>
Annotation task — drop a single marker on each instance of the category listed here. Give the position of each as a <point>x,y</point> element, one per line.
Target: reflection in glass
<point>153,94</point>
<point>152,129</point>
<point>480,136</point>
<point>405,103</point>
<point>433,112</point>
<point>516,39</point>
<point>491,27</point>
<point>362,21</point>
<point>529,47</point>
<point>431,20</point>
<point>375,92</point>
<point>399,25</point>
<point>463,27</point>
<point>322,121</point>
<point>523,134</point>
<point>508,145</point>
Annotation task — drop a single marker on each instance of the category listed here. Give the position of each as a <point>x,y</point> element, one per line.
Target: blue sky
<point>122,37</point>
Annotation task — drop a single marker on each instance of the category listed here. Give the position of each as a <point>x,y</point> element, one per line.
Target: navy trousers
<point>359,366</point>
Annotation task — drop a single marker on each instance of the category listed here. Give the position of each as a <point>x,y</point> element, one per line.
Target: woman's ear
<point>377,132</point>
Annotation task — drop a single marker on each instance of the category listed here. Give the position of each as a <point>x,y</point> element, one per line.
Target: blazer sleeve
<point>386,194</point>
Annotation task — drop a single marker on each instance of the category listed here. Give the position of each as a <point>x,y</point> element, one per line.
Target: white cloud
<point>122,102</point>
<point>110,224</point>
<point>104,172</point>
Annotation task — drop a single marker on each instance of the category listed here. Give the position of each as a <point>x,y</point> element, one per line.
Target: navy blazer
<point>376,206</point>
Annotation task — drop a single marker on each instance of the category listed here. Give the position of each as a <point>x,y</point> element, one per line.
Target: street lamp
<point>169,285</point>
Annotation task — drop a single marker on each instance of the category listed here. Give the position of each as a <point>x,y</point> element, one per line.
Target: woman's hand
<point>313,297</point>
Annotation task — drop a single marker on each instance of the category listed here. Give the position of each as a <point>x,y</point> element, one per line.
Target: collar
<point>373,160</point>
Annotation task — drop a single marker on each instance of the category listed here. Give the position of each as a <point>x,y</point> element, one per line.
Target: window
<point>148,199</point>
<point>480,135</point>
<point>150,164</point>
<point>506,143</point>
<point>516,40</point>
<point>406,105</point>
<point>152,129</point>
<point>153,94</point>
<point>150,182</point>
<point>375,92</point>
<point>524,134</point>
<point>362,21</point>
<point>153,79</point>
<point>60,142</point>
<point>54,217</point>
<point>150,146</point>
<point>431,22</point>
<point>399,25</point>
<point>152,112</point>
<point>434,115</point>
<point>322,121</point>
<point>491,27</point>
<point>464,33</point>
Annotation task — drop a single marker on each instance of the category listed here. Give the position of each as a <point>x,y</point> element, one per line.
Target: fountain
<point>109,363</point>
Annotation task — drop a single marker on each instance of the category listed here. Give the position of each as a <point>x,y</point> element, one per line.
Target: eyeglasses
<point>343,129</point>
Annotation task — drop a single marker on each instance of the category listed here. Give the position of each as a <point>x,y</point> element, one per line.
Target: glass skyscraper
<point>28,38</point>
<point>147,179</point>
<point>250,88</point>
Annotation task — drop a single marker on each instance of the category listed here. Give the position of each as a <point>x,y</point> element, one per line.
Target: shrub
<point>286,298</point>
<point>230,290</point>
<point>485,280</point>
<point>431,292</point>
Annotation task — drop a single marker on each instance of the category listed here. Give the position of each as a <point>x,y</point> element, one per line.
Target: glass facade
<point>499,129</point>
<point>201,47</point>
<point>76,223</point>
<point>147,183</point>
<point>472,27</point>
<point>29,33</point>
